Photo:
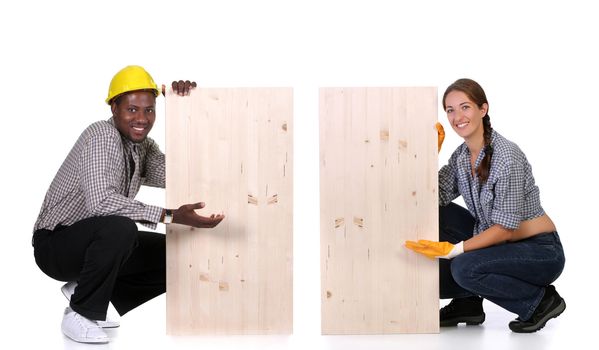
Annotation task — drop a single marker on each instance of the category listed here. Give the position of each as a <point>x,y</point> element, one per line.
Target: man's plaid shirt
<point>96,179</point>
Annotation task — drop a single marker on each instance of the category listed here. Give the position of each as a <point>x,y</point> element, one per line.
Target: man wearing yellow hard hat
<point>86,234</point>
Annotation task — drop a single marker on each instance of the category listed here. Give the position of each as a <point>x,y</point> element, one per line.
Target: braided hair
<point>476,94</point>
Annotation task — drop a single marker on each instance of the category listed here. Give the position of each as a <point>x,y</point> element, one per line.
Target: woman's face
<point>465,117</point>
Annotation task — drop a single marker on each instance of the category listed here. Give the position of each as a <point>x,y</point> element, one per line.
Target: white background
<point>536,60</point>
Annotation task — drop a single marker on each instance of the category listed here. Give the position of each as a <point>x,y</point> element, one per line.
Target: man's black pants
<point>110,260</point>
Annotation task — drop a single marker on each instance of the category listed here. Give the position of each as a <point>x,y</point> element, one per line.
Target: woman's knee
<point>463,271</point>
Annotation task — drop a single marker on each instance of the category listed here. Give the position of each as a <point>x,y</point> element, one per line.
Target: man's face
<point>134,114</point>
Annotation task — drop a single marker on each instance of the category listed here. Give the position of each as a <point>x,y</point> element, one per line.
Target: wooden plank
<point>232,149</point>
<point>378,188</point>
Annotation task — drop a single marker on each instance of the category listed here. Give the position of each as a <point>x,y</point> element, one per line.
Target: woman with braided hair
<point>504,248</point>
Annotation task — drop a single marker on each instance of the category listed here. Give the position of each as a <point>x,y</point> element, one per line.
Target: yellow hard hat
<point>130,78</point>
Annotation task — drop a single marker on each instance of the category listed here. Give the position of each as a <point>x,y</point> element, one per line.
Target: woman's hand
<point>441,250</point>
<point>440,135</point>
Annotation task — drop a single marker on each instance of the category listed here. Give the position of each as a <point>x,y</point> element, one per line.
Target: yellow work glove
<point>440,135</point>
<point>441,250</point>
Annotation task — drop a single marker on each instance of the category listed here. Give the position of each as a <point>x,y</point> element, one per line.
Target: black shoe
<point>460,310</point>
<point>551,306</point>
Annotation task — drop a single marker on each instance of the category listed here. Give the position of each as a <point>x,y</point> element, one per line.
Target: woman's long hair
<point>476,94</point>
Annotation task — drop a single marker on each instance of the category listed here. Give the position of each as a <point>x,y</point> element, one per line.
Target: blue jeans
<point>512,275</point>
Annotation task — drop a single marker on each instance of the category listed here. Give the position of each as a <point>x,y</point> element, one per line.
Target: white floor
<point>38,325</point>
<point>32,307</point>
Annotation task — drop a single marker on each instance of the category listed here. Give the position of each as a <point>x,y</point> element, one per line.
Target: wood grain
<point>232,149</point>
<point>378,186</point>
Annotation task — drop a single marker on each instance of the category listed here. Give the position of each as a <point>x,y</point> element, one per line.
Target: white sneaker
<point>69,288</point>
<point>82,329</point>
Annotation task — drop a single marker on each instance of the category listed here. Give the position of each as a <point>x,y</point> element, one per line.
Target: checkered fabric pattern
<point>101,176</point>
<point>509,196</point>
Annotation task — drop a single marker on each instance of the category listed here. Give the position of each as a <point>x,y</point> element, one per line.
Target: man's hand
<point>441,250</point>
<point>181,88</point>
<point>440,135</point>
<point>186,215</point>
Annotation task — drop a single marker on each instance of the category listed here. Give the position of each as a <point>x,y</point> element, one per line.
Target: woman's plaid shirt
<point>508,197</point>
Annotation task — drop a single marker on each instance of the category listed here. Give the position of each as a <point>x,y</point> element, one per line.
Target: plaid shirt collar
<point>464,156</point>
